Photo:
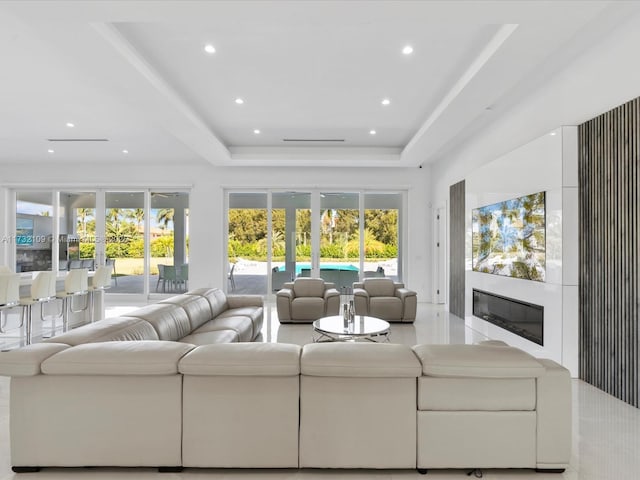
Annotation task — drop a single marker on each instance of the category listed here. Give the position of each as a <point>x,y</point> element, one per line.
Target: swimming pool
<point>326,266</point>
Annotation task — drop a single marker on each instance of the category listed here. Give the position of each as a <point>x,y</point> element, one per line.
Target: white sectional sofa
<point>261,405</point>
<point>199,317</point>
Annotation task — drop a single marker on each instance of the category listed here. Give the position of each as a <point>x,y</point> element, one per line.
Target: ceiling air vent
<point>77,139</point>
<point>313,139</point>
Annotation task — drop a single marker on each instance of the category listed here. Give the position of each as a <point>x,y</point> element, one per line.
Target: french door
<point>275,236</point>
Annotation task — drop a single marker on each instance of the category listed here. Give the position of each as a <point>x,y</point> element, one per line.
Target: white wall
<point>206,265</point>
<point>546,164</point>
<point>595,82</point>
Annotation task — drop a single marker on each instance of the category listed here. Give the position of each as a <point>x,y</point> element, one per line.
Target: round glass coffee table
<point>334,329</point>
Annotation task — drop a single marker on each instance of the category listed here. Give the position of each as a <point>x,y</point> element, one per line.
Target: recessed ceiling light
<point>239,101</point>
<point>407,50</point>
<point>210,49</point>
<point>372,132</point>
<point>70,125</point>
<point>552,134</point>
<point>50,151</point>
<point>385,101</point>
<point>256,131</point>
<point>125,151</point>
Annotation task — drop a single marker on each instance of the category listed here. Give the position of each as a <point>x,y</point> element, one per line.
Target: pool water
<point>326,266</point>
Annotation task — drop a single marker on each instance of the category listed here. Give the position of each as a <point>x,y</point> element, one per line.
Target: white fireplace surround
<point>550,164</point>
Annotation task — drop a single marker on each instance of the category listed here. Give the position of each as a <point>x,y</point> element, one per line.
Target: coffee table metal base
<point>362,328</point>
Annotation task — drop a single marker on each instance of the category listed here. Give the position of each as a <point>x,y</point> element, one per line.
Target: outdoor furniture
<point>306,300</point>
<point>75,264</point>
<point>232,280</point>
<point>182,276</point>
<point>386,299</point>
<point>88,263</point>
<point>279,277</point>
<point>112,263</point>
<point>160,277</point>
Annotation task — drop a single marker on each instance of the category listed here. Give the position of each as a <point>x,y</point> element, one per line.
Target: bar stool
<point>75,285</point>
<point>100,282</point>
<point>43,290</point>
<point>9,294</point>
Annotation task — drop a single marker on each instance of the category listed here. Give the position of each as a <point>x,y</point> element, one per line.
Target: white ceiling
<point>135,73</point>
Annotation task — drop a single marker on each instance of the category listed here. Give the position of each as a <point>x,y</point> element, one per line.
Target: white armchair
<point>383,298</point>
<point>307,299</point>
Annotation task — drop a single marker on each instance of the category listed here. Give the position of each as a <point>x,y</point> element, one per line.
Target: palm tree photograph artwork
<point>509,238</point>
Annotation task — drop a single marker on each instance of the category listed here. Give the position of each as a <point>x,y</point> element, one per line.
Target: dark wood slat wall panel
<point>609,179</point>
<point>456,249</point>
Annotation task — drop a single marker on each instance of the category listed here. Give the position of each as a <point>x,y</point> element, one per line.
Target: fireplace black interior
<point>522,318</point>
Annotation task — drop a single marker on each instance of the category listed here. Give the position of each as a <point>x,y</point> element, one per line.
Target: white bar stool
<point>76,284</point>
<point>99,283</point>
<point>9,294</point>
<point>43,290</point>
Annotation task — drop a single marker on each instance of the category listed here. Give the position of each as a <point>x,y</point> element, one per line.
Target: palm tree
<point>83,215</point>
<point>137,214</point>
<point>164,217</point>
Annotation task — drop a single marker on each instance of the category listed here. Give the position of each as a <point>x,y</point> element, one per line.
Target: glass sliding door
<point>124,240</point>
<point>340,238</point>
<point>77,233</point>
<point>291,237</point>
<point>168,241</point>
<point>34,231</point>
<point>248,243</point>
<point>381,237</point>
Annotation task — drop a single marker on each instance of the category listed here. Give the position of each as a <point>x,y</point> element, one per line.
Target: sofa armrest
<point>284,298</point>
<point>361,301</point>
<point>403,293</point>
<point>553,413</point>
<point>239,301</point>
<point>26,361</point>
<point>331,292</point>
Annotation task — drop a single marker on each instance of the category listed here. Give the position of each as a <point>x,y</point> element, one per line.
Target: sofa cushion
<point>207,338</point>
<point>309,287</point>
<point>485,361</point>
<point>198,308</point>
<point>307,308</point>
<point>242,326</point>
<point>26,361</point>
<point>118,358</point>
<point>108,330</point>
<point>389,308</point>
<point>216,298</point>
<point>379,287</point>
<point>243,359</point>
<point>171,322</point>
<point>254,313</point>
<point>380,360</point>
<point>477,394</point>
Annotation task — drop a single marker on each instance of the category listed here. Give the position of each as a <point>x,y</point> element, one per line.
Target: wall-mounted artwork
<point>509,238</point>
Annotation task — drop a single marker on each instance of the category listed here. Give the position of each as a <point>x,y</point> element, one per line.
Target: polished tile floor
<point>606,436</point>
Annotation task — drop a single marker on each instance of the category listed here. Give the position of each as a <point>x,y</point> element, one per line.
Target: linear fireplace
<point>522,318</point>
